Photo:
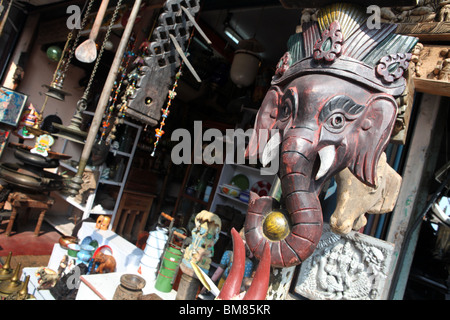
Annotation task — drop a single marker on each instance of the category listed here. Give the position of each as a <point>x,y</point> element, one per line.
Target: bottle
<point>125,141</point>
<point>120,170</point>
<point>208,191</point>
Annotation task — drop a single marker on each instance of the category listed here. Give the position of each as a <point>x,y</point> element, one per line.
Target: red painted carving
<point>330,45</point>
<point>232,286</point>
<point>393,66</point>
<point>283,65</point>
<point>323,118</point>
<point>334,108</point>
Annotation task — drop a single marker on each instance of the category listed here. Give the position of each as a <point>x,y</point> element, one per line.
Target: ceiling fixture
<point>230,33</point>
<point>246,61</point>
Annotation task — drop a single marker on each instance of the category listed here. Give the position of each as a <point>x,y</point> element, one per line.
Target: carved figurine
<point>444,12</point>
<point>204,236</point>
<point>106,263</point>
<point>102,222</point>
<point>416,59</point>
<point>47,278</point>
<point>354,198</point>
<point>43,145</point>
<point>333,108</point>
<point>28,119</point>
<point>199,253</point>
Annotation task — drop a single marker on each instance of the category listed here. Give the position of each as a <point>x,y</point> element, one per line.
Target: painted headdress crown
<point>343,42</point>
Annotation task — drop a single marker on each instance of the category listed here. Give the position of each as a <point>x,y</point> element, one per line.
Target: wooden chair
<point>134,207</point>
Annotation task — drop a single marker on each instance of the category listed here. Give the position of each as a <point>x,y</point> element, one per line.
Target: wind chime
<point>111,116</point>
<point>165,112</point>
<point>159,132</point>
<point>73,131</point>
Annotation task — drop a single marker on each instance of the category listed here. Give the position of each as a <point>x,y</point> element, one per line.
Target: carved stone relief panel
<point>346,267</point>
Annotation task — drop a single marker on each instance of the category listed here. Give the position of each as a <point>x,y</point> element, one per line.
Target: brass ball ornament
<point>276,226</point>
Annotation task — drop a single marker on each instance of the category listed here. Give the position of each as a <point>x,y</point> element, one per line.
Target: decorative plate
<point>240,181</point>
<point>261,188</point>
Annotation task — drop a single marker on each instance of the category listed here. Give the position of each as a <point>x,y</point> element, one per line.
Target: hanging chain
<point>83,101</point>
<point>77,38</point>
<point>59,75</point>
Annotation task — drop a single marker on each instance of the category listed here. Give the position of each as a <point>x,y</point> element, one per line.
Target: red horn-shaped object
<point>232,285</point>
<point>260,283</point>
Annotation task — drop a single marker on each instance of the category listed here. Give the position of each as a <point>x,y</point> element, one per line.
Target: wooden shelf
<point>426,31</point>
<point>234,199</point>
<point>194,199</point>
<point>436,87</point>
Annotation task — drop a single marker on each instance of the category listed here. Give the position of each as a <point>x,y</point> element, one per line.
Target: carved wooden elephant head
<point>334,108</point>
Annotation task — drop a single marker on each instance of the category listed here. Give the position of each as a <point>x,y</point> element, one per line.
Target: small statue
<point>43,144</point>
<point>47,278</point>
<point>415,58</point>
<point>204,236</point>
<point>106,263</point>
<point>199,253</point>
<point>354,198</point>
<point>28,119</point>
<point>444,75</point>
<point>102,222</point>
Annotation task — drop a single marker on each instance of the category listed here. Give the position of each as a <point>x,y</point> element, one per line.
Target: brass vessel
<point>6,272</point>
<point>12,285</point>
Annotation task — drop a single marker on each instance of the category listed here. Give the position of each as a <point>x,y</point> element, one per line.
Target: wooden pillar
<point>412,196</point>
<point>77,180</point>
<point>24,46</point>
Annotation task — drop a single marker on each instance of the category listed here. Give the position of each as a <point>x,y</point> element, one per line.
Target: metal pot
<point>9,172</point>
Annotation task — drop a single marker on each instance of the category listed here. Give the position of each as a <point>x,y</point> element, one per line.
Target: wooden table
<point>28,201</point>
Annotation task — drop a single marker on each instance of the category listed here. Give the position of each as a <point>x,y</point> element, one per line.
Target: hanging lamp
<point>73,131</point>
<point>246,62</point>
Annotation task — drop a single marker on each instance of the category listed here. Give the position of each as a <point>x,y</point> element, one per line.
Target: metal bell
<point>55,92</point>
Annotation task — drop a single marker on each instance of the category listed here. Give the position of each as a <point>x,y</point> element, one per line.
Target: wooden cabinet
<point>197,191</point>
<point>110,178</point>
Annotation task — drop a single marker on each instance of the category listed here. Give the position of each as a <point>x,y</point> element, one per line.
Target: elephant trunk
<point>294,231</point>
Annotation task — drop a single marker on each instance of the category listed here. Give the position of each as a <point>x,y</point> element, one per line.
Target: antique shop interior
<point>145,150</point>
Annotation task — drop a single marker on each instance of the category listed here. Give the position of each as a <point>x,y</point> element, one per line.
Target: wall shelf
<point>90,207</point>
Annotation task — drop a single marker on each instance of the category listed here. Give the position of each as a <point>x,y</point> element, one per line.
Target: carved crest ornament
<point>333,101</point>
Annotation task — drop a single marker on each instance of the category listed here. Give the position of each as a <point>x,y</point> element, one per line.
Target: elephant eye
<point>336,121</point>
<point>287,105</point>
<point>285,111</point>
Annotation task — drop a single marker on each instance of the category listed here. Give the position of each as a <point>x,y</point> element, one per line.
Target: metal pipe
<point>77,180</point>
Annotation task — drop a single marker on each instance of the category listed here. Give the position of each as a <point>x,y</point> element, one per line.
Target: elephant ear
<point>374,135</point>
<point>265,121</point>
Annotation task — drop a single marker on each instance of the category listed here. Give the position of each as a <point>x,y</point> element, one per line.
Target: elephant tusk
<point>232,285</point>
<point>270,149</point>
<point>260,283</point>
<point>327,156</point>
